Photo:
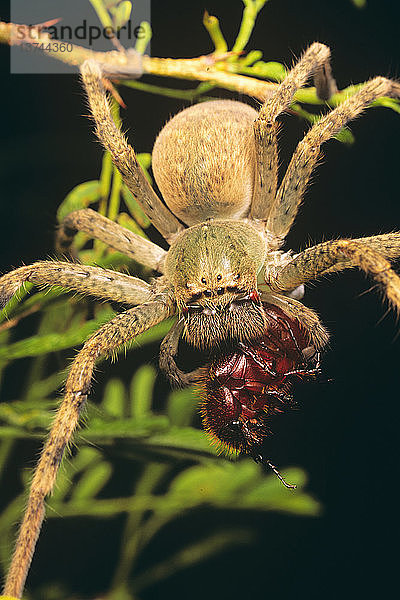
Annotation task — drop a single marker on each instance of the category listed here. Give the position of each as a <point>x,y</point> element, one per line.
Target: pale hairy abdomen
<point>204,161</point>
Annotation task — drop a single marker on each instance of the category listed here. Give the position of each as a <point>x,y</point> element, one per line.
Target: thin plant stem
<point>132,535</point>
<point>189,95</point>
<point>211,23</point>
<point>250,12</point>
<point>143,40</point>
<point>105,182</point>
<point>115,196</point>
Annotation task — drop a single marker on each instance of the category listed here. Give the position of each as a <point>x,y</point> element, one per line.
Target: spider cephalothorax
<point>225,218</point>
<point>213,268</point>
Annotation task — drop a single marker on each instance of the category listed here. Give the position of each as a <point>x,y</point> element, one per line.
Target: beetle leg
<point>259,458</point>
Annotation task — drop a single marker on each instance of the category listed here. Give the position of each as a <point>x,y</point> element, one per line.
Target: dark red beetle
<point>246,386</point>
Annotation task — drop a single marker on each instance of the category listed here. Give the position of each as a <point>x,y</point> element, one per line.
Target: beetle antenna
<point>290,486</point>
<point>258,458</point>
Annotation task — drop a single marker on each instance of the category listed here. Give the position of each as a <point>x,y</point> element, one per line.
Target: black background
<point>345,434</point>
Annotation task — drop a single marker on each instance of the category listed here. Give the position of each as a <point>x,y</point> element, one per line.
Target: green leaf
<point>114,399</point>
<point>52,342</point>
<point>102,13</point>
<point>242,485</point>
<point>43,344</point>
<point>92,481</point>
<point>15,308</point>
<point>105,178</point>
<point>193,554</point>
<point>268,70</point>
<point>7,433</point>
<point>252,8</point>
<point>127,222</point>
<point>250,58</point>
<point>81,196</point>
<point>211,23</point>
<point>181,406</point>
<point>42,388</point>
<point>345,136</point>
<point>144,160</point>
<point>84,459</point>
<point>130,429</point>
<point>134,208</point>
<point>26,415</point>
<point>122,14</point>
<point>186,439</point>
<point>212,483</point>
<point>189,94</point>
<point>144,38</point>
<point>14,301</point>
<point>141,392</point>
<point>392,103</point>
<point>359,3</point>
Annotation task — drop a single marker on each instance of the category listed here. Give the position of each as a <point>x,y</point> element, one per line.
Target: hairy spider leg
<point>120,330</point>
<point>123,155</point>
<point>100,228</point>
<point>305,157</point>
<point>315,60</point>
<point>94,281</point>
<point>319,259</point>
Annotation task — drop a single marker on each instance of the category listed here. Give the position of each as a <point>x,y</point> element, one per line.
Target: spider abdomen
<point>204,161</point>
